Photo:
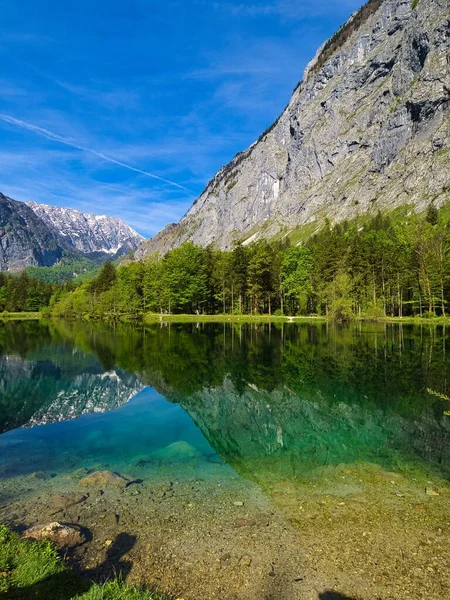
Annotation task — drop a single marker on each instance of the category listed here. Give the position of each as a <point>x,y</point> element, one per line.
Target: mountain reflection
<point>267,398</point>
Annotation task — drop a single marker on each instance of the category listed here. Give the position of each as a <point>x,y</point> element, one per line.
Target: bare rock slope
<point>367,129</point>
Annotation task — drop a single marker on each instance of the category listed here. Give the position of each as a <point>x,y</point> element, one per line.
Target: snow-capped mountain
<point>33,234</point>
<point>88,233</point>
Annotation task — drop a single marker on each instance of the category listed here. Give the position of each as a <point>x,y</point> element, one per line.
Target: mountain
<point>34,234</point>
<point>367,129</point>
<point>24,237</point>
<point>87,232</point>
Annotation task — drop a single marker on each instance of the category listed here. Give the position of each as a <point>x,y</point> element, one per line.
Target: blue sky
<point>129,107</point>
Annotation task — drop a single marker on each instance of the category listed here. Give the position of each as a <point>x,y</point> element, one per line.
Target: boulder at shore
<point>63,536</point>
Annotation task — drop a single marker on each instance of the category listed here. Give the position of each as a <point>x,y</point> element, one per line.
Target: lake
<point>271,461</point>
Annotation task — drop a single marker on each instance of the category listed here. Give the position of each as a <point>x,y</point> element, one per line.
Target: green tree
<point>106,278</point>
<point>296,271</point>
<point>432,215</point>
<point>184,279</point>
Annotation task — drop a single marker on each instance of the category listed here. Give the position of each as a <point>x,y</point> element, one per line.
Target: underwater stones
<point>106,478</point>
<point>65,500</point>
<point>111,519</point>
<point>63,536</point>
<point>78,473</point>
<point>245,561</point>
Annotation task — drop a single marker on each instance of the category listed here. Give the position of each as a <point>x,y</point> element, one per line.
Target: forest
<point>23,293</point>
<point>384,267</point>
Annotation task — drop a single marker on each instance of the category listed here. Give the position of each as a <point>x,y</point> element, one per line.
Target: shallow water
<point>281,415</point>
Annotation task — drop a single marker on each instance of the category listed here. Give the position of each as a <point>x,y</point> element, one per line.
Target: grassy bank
<point>33,570</point>
<point>151,318</point>
<point>417,320</point>
<point>5,315</point>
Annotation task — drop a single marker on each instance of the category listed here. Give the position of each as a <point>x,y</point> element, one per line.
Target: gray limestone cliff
<point>367,129</point>
<point>24,238</point>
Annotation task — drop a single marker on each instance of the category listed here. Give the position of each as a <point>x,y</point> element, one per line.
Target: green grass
<point>20,315</point>
<point>157,318</point>
<point>418,320</point>
<point>34,570</point>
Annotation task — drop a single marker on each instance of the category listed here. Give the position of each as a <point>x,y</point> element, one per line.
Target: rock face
<point>89,233</point>
<point>367,129</point>
<point>24,238</point>
<point>40,235</point>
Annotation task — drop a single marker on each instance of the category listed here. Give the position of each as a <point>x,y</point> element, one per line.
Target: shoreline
<point>20,316</point>
<point>154,318</point>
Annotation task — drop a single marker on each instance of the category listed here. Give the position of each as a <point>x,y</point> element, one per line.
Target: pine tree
<point>106,278</point>
<point>432,215</point>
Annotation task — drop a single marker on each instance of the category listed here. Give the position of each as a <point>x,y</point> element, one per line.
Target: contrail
<point>55,137</point>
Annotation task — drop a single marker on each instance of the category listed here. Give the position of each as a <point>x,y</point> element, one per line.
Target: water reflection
<point>274,402</point>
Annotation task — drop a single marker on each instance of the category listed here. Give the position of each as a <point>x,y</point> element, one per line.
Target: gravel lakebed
<point>205,533</point>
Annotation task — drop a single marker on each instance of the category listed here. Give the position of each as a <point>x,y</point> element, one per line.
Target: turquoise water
<point>266,402</point>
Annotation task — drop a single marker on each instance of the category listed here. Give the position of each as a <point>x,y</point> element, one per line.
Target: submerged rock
<point>244,523</point>
<point>63,536</point>
<point>41,475</point>
<point>105,478</point>
<point>64,500</point>
<point>177,452</point>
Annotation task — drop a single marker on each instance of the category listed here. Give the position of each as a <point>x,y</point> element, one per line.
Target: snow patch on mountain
<point>87,232</point>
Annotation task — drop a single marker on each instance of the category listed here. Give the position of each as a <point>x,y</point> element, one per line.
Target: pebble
<point>244,523</point>
<point>429,491</point>
<point>238,503</point>
<point>245,561</point>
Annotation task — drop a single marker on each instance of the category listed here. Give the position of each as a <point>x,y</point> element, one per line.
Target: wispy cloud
<point>50,135</point>
<point>287,9</point>
<point>111,99</point>
<point>230,70</point>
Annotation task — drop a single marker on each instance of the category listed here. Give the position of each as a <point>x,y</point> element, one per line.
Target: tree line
<point>385,267</point>
<point>22,293</point>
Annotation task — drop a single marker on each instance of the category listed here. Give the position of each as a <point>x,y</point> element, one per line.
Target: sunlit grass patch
<point>34,570</point>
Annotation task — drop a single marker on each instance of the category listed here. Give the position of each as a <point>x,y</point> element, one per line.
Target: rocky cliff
<point>34,234</point>
<point>24,238</point>
<point>367,129</point>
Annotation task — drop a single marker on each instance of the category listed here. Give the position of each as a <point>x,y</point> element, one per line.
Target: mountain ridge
<point>33,234</point>
<point>367,129</point>
<point>88,232</point>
